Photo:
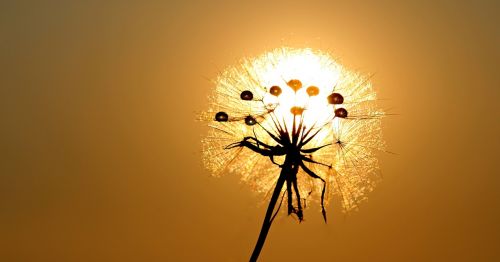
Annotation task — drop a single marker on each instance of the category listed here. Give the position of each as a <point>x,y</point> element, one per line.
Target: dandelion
<point>295,125</point>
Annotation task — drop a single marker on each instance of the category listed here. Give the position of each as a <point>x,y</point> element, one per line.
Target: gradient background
<point>100,149</point>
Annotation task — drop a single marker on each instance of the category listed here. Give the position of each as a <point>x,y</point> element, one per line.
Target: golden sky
<point>100,154</point>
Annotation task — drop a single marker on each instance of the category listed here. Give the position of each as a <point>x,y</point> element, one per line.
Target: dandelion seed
<point>312,91</point>
<point>341,112</point>
<point>275,90</point>
<point>296,110</point>
<point>335,99</point>
<point>290,142</point>
<point>295,84</point>
<point>246,95</point>
<point>249,120</point>
<point>221,117</point>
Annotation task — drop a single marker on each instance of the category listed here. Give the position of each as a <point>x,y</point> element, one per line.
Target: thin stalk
<point>266,225</point>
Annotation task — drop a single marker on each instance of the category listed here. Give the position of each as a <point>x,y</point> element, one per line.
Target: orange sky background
<point>101,153</point>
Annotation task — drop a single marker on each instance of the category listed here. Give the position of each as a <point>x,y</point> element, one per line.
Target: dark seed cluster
<point>295,84</point>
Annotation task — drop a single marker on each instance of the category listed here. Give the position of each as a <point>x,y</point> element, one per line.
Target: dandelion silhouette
<point>298,111</point>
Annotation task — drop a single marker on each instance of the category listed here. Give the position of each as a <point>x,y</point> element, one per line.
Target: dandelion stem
<point>266,225</point>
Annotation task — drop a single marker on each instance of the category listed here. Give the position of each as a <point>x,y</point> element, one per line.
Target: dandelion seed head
<point>272,89</point>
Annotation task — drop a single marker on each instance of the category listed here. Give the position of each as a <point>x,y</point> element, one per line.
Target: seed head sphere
<point>259,98</point>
